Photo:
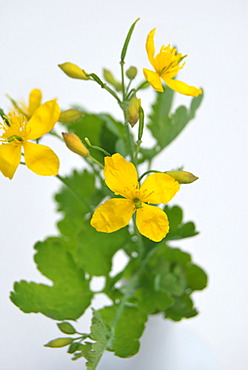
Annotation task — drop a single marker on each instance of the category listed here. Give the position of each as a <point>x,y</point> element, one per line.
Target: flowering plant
<point>118,202</point>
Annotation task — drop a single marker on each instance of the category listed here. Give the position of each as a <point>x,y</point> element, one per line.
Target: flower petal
<point>152,222</point>
<point>43,120</point>
<point>182,87</point>
<point>35,97</point>
<point>154,79</point>
<point>10,157</point>
<point>150,48</point>
<point>120,175</point>
<point>41,159</point>
<point>158,188</point>
<point>112,215</point>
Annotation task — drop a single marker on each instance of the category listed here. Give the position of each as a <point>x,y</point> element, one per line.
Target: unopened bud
<point>69,115</point>
<point>75,144</point>
<point>73,71</point>
<point>131,73</point>
<point>109,77</point>
<point>66,327</point>
<point>59,342</point>
<point>132,113</point>
<point>182,177</point>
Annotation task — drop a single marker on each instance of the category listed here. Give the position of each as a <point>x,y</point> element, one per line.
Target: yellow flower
<point>121,177</point>
<point>166,64</point>
<point>34,102</point>
<point>16,131</point>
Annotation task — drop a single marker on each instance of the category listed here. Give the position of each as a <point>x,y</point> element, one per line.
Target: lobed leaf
<point>69,295</point>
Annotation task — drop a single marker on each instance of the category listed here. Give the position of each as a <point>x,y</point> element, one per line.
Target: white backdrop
<point>36,36</point>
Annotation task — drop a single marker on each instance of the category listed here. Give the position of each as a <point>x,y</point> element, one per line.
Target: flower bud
<point>69,115</point>
<point>182,177</point>
<point>131,73</point>
<point>132,112</point>
<point>66,328</point>
<point>75,144</point>
<point>109,77</point>
<point>59,342</point>
<point>73,71</point>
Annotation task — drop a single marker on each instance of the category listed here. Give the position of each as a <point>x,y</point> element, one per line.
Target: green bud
<point>70,115</point>
<point>183,177</point>
<point>59,342</point>
<point>132,112</point>
<point>66,328</point>
<point>109,77</point>
<point>131,73</point>
<point>74,347</point>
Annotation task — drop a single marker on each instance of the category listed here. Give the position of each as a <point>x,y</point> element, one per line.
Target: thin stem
<point>123,80</point>
<point>104,86</point>
<point>129,141</point>
<point>146,173</point>
<point>96,161</point>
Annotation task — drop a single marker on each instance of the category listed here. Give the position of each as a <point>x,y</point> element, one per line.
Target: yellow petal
<point>10,157</point>
<point>150,48</point>
<point>182,87</point>
<point>40,159</point>
<point>152,222</point>
<point>158,188</point>
<point>35,97</point>
<point>43,120</point>
<point>154,79</point>
<point>120,175</point>
<point>112,215</point>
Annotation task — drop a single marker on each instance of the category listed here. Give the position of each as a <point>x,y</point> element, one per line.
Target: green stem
<point>96,161</point>
<point>129,140</point>
<point>146,173</point>
<point>104,86</point>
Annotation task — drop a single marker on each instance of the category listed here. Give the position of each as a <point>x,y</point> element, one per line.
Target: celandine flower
<point>121,177</point>
<point>166,64</point>
<point>16,133</point>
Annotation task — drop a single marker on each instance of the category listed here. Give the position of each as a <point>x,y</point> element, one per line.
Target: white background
<point>35,36</point>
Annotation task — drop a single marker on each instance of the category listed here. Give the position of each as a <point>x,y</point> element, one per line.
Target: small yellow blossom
<point>16,131</point>
<point>166,63</point>
<point>28,109</point>
<point>121,177</point>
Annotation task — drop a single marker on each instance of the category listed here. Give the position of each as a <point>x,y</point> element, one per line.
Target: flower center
<point>14,129</point>
<point>137,203</point>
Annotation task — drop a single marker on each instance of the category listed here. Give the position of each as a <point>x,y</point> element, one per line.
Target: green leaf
<point>94,250</point>
<point>182,308</point>
<point>151,299</point>
<point>127,324</point>
<point>178,229</point>
<point>100,333</point>
<point>164,125</point>
<point>83,185</point>
<point>196,278</point>
<point>69,295</point>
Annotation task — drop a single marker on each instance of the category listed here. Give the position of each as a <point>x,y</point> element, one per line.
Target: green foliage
<point>178,229</point>
<point>167,282</point>
<point>69,295</point>
<point>164,125</point>
<point>100,334</point>
<point>127,323</point>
